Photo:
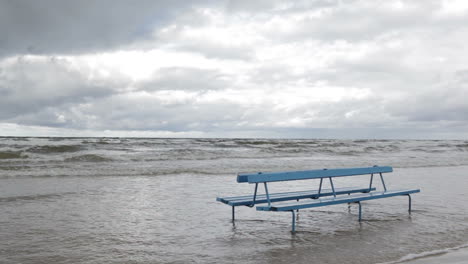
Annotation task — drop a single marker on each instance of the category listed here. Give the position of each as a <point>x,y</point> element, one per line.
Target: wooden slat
<point>287,196</point>
<point>332,200</point>
<point>309,174</point>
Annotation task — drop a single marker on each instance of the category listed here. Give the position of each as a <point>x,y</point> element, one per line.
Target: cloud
<point>263,68</point>
<point>71,27</point>
<point>35,88</point>
<point>444,103</point>
<point>182,78</point>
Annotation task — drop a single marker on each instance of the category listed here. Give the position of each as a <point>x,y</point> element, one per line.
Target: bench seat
<point>288,196</point>
<point>290,206</point>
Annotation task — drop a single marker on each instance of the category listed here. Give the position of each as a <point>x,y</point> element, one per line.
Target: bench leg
<point>360,210</point>
<point>349,204</point>
<point>293,221</point>
<point>233,214</point>
<point>409,203</point>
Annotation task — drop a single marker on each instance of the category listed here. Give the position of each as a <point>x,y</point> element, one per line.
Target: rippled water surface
<point>96,200</point>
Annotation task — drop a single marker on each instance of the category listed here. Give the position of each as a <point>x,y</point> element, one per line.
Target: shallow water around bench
<point>177,220</point>
<point>130,213</point>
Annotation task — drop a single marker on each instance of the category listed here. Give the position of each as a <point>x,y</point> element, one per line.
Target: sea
<point>153,200</point>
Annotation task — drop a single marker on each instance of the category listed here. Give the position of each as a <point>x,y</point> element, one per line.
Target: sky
<point>261,69</point>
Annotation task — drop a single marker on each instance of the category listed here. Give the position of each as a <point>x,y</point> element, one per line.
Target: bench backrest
<point>309,174</point>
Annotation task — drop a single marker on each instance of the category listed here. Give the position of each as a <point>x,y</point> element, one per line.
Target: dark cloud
<point>31,85</point>
<point>130,111</point>
<point>66,27</point>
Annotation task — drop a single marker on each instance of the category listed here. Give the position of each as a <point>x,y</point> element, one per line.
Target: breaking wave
<point>146,156</point>
<point>12,155</point>
<point>34,197</point>
<point>87,158</point>
<point>54,149</point>
<point>426,254</point>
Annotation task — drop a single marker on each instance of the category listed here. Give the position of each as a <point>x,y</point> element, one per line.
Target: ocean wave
<point>464,145</point>
<point>12,168</point>
<point>255,142</point>
<point>12,155</point>
<point>429,150</point>
<point>126,173</point>
<point>20,139</point>
<point>88,158</point>
<point>361,140</point>
<point>140,155</point>
<point>224,145</point>
<point>386,148</point>
<point>426,254</point>
<point>281,151</point>
<point>185,172</point>
<point>58,138</point>
<point>54,149</point>
<point>98,142</point>
<point>33,197</point>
